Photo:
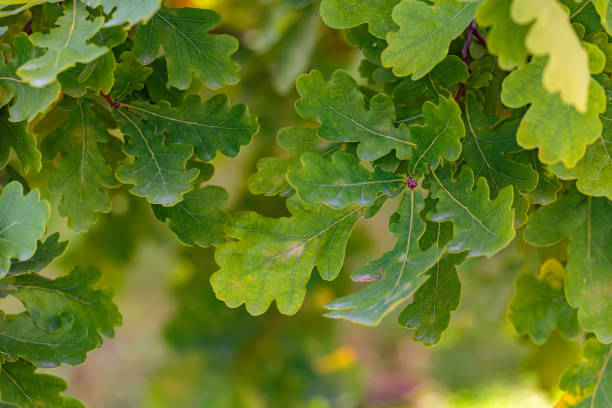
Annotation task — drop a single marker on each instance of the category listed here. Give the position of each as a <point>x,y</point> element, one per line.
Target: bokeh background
<point>179,347</point>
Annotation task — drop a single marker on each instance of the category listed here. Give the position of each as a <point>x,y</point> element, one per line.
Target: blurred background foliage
<point>180,347</point>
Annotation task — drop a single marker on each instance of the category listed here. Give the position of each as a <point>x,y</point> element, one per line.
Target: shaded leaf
<point>429,313</point>
<point>16,137</point>
<point>49,301</point>
<point>587,279</point>
<point>45,253</point>
<point>539,306</point>
<point>189,47</point>
<point>198,219</point>
<point>130,76</point>
<point>132,11</point>
<point>397,274</point>
<point>22,387</point>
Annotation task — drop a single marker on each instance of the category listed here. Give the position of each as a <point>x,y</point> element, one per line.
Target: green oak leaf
<point>198,219</point>
<point>558,130</point>
<point>271,176</point>
<point>548,185</point>
<point>45,253</point>
<point>98,74</point>
<point>448,73</point>
<point>481,226</point>
<point>157,170</point>
<point>48,301</point>
<point>22,387</point>
<point>23,221</point>
<point>340,108</point>
<point>425,33</point>
<point>210,127</point>
<point>131,12</point>
<point>604,9</point>
<point>341,181</point>
<point>438,137</point>
<point>66,46</point>
<point>15,136</point>
<point>505,39</point>
<point>594,171</point>
<point>588,384</point>
<point>29,101</point>
<point>343,14</point>
<point>397,274</point>
<point>20,337</point>
<point>274,257</point>
<point>130,76</point>
<point>539,306</point>
<point>189,47</point>
<point>486,146</point>
<point>429,313</point>
<point>83,174</point>
<point>587,280</point>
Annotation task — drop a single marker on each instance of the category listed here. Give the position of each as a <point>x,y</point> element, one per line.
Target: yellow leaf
<point>567,69</point>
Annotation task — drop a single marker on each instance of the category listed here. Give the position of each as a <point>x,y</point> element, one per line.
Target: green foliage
<point>489,118</point>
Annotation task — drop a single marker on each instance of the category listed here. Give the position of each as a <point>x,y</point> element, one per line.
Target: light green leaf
<point>343,14</point>
<point>132,11</point>
<point>429,313</point>
<point>271,176</point>
<point>157,170</point>
<point>438,137</point>
<point>505,38</point>
<point>209,127</point>
<point>604,9</point>
<point>588,384</point>
<point>23,221</point>
<point>425,34</point>
<point>397,274</point>
<point>340,108</point>
<point>594,171</point>
<point>189,47</point>
<point>21,338</point>
<point>130,76</point>
<point>22,387</point>
<point>66,46</point>
<point>588,278</point>
<point>539,306</point>
<point>481,226</point>
<point>45,253</point>
<point>552,35</point>
<point>341,181</point>
<point>559,130</point>
<point>486,146</point>
<point>274,257</point>
<point>83,174</point>
<point>49,301</point>
<point>198,219</point>
<point>16,137</point>
<point>29,101</point>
